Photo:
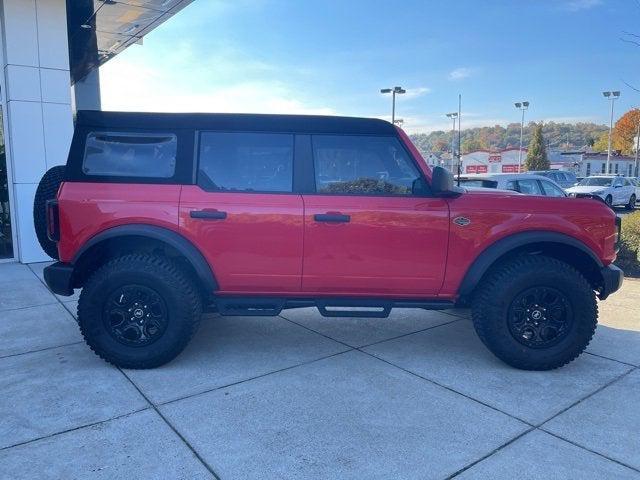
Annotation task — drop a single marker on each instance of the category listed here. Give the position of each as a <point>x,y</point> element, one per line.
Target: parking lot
<point>302,396</point>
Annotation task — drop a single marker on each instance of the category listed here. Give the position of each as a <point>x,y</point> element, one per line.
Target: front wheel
<point>609,200</point>
<point>535,312</point>
<point>139,311</point>
<point>632,203</point>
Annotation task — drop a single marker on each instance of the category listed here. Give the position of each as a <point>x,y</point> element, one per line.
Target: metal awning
<point>100,29</point>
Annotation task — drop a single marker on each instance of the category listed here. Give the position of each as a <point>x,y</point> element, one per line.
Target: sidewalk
<point>302,396</point>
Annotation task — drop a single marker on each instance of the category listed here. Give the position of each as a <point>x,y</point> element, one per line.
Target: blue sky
<point>332,57</point>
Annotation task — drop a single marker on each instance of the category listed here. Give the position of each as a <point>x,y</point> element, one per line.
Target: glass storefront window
<point>6,243</point>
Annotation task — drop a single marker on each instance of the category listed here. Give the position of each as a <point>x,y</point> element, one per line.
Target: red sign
<point>509,168</point>
<point>476,169</point>
<point>495,158</point>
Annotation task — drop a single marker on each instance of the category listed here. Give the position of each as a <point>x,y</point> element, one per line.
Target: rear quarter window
<point>125,154</point>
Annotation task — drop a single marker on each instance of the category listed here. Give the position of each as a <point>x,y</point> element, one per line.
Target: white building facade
<point>50,52</point>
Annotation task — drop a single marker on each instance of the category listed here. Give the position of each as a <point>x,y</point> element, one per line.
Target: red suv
<point>158,217</point>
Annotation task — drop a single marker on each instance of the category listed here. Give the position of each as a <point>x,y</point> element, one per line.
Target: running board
<point>328,307</point>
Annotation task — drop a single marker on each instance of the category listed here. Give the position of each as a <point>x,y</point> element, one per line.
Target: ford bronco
<point>159,217</point>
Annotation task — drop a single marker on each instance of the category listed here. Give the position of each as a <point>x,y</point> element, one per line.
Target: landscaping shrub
<point>629,255</point>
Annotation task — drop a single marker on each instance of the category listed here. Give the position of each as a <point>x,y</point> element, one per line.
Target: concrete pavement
<point>302,396</point>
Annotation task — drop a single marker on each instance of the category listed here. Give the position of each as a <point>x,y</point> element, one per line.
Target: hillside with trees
<point>565,136</point>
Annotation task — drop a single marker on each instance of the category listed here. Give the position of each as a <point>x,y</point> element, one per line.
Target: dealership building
<point>493,161</point>
<point>51,51</point>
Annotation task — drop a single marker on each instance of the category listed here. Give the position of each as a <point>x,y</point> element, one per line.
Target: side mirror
<point>442,183</point>
<point>419,187</point>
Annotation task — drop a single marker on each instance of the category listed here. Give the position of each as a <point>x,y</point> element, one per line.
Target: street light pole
<point>635,168</point>
<point>522,106</point>
<point>453,115</point>
<point>612,97</point>
<point>393,91</point>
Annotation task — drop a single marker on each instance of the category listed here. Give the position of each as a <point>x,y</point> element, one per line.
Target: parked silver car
<point>525,183</point>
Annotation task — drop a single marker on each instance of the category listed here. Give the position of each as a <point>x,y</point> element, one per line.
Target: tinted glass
<point>511,185</point>
<point>529,187</point>
<point>550,190</point>
<point>362,165</point>
<point>130,154</point>
<point>472,182</point>
<point>249,162</point>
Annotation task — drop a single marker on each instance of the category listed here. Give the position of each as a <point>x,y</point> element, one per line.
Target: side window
<point>529,187</point>
<point>511,185</point>
<point>149,155</point>
<point>617,182</point>
<point>246,162</point>
<point>362,165</point>
<point>550,190</point>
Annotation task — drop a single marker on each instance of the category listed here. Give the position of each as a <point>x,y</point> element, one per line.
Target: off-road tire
<point>609,201</point>
<point>493,298</point>
<point>632,203</point>
<point>47,190</point>
<point>176,288</point>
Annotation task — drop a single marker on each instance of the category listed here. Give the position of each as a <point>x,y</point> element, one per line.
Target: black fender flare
<point>493,252</point>
<point>164,235</point>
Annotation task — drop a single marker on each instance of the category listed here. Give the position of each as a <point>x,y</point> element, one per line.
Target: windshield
<point>478,182</point>
<point>596,182</point>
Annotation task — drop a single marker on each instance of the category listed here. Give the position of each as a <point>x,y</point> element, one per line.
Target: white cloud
<point>577,5</point>
<point>414,93</point>
<point>460,73</point>
<point>130,86</point>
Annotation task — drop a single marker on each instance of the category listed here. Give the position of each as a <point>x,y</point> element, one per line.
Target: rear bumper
<point>58,278</point>
<point>612,280</point>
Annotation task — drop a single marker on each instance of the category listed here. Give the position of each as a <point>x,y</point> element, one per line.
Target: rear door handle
<point>331,217</point>
<point>208,214</point>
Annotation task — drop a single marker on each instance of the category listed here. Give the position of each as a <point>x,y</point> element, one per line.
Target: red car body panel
<point>392,246</point>
<point>270,244</point>
<point>86,209</point>
<point>257,249</point>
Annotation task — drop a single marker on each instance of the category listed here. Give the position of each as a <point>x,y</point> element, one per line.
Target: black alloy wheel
<point>540,317</point>
<point>135,315</point>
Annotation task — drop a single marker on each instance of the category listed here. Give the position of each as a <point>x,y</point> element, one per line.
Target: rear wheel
<point>632,203</point>
<point>47,190</point>
<point>139,311</point>
<point>535,313</point>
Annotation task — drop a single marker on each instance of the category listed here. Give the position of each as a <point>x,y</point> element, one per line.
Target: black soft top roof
<point>236,121</point>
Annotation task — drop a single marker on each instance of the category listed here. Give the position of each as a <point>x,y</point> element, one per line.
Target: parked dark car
<point>561,177</point>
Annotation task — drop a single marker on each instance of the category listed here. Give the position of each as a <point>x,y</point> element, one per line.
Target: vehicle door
<point>551,190</point>
<point>368,229</point>
<point>619,194</point>
<point>529,186</point>
<point>243,214</point>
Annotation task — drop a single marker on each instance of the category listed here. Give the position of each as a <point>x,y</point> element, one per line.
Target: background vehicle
<point>160,216</point>
<point>525,183</point>
<point>611,189</point>
<point>563,178</point>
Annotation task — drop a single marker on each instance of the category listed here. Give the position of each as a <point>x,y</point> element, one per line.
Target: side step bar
<point>328,307</point>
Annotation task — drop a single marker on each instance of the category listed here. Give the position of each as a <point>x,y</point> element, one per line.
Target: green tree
<point>602,143</point>
<point>537,154</point>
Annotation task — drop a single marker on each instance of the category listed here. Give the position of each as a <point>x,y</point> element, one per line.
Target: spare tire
<point>47,190</point>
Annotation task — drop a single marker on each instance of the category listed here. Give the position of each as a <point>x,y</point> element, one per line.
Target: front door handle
<point>208,214</point>
<point>332,217</point>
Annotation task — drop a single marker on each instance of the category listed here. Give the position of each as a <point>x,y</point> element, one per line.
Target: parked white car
<point>612,190</point>
<point>525,183</point>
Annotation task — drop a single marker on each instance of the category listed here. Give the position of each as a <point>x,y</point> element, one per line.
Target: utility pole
<point>612,97</point>
<point>635,169</point>
<point>522,106</point>
<point>453,116</point>
<point>459,136</point>
<point>393,91</point>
